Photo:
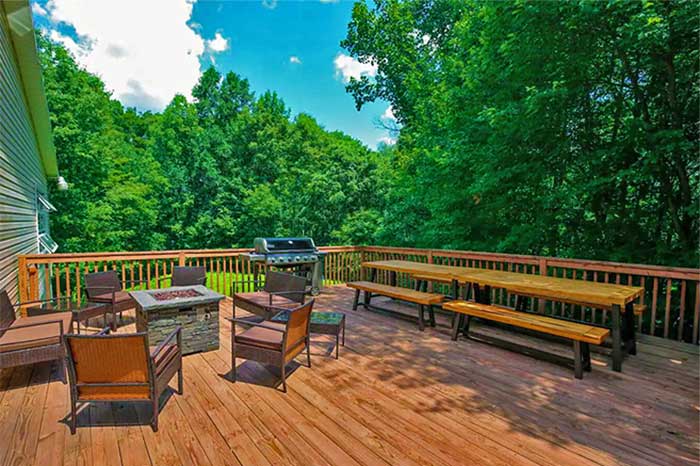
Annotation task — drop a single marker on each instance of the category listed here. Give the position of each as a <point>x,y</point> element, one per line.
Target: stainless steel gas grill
<point>297,255</point>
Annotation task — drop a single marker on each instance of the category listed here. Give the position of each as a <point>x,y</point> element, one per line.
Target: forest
<point>555,128</point>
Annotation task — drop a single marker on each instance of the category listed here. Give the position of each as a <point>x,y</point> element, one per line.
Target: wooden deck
<point>396,396</point>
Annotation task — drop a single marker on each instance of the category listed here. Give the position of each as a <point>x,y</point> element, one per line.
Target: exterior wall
<point>21,171</point>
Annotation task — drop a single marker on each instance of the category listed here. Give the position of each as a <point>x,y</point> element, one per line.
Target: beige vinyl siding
<point>21,172</point>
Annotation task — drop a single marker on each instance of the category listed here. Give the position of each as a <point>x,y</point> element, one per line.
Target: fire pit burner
<point>175,294</point>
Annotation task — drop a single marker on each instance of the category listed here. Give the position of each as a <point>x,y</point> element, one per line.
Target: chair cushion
<point>33,337</point>
<point>119,297</point>
<point>263,337</point>
<point>262,299</point>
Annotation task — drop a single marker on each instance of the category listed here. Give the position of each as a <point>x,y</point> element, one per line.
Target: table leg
<point>617,340</point>
<point>629,336</point>
<point>343,331</point>
<point>337,337</point>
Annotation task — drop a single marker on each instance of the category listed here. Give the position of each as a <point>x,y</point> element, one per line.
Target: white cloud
<point>269,4</point>
<point>218,44</point>
<point>329,1</point>
<point>38,9</point>
<point>143,62</point>
<point>68,43</point>
<point>389,141</point>
<point>348,67</point>
<point>388,114</point>
<point>294,59</point>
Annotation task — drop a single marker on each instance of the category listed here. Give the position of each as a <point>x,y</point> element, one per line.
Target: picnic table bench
<point>582,335</point>
<point>421,298</point>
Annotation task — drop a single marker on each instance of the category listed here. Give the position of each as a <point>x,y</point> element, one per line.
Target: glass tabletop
<point>332,318</point>
<point>60,305</point>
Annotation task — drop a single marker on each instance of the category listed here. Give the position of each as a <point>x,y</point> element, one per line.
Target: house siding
<point>21,172</point>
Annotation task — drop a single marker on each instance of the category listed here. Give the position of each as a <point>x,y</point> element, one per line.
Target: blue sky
<point>291,47</point>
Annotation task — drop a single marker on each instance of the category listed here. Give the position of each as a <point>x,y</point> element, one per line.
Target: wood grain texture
<point>549,325</point>
<point>405,294</point>
<point>604,295</point>
<point>396,396</point>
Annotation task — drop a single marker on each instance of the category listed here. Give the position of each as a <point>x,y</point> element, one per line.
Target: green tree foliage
<point>557,128</point>
<point>211,173</point>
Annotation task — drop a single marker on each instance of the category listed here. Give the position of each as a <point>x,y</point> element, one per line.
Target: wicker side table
<point>322,323</point>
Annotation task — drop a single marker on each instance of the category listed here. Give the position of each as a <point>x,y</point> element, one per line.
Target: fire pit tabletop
<point>150,300</point>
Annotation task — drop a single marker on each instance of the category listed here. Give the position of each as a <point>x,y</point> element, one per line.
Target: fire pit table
<point>194,308</point>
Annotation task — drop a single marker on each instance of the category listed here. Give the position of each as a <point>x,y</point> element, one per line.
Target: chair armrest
<point>35,324</point>
<point>173,335</point>
<point>285,293</point>
<point>254,324</point>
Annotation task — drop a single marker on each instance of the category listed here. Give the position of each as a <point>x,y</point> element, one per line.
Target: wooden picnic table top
<point>596,294</point>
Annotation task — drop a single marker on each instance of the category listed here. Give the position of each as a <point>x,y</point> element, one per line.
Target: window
<point>46,245</point>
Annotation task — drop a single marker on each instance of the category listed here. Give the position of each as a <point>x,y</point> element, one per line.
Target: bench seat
<point>580,334</point>
<point>422,298</point>
<point>404,294</point>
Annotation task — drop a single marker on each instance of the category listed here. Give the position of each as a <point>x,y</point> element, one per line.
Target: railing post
<point>363,258</point>
<point>181,259</point>
<point>430,261</point>
<point>543,271</point>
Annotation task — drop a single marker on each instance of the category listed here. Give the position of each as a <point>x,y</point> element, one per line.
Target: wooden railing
<point>672,294</point>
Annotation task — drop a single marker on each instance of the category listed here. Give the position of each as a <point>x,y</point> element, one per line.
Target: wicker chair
<point>106,287</point>
<point>279,291</point>
<point>123,368</point>
<point>29,340</point>
<point>187,276</point>
<point>273,343</point>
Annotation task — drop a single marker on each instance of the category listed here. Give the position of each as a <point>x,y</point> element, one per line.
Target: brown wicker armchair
<point>272,343</point>
<point>29,340</point>
<point>186,276</point>
<point>106,287</point>
<point>279,291</point>
<point>121,367</point>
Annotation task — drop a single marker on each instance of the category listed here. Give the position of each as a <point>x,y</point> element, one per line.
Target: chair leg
<point>73,416</point>
<point>308,352</point>
<point>62,370</point>
<point>284,378</point>
<point>154,421</point>
<point>180,381</point>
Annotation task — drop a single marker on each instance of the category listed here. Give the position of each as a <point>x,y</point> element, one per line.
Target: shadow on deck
<point>395,396</point>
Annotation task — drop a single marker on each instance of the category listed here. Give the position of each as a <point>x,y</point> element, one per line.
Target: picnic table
<point>618,299</point>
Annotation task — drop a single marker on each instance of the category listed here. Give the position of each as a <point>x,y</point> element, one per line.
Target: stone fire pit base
<point>198,316</point>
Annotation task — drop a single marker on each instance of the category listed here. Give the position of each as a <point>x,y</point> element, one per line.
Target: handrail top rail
<point>681,273</point>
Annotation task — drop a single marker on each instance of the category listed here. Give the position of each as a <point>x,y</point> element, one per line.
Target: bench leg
<point>465,327</point>
<point>578,361</point>
<point>586,354</point>
<point>421,322</point>
<point>459,318</point>
<point>431,312</point>
<point>368,296</point>
<point>356,301</point>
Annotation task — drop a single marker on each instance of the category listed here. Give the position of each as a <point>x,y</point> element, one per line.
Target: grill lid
<point>280,245</point>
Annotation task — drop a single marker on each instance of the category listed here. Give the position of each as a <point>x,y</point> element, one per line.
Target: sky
<point>146,51</point>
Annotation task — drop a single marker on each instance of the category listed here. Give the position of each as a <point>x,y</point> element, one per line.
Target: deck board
<point>396,396</point>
